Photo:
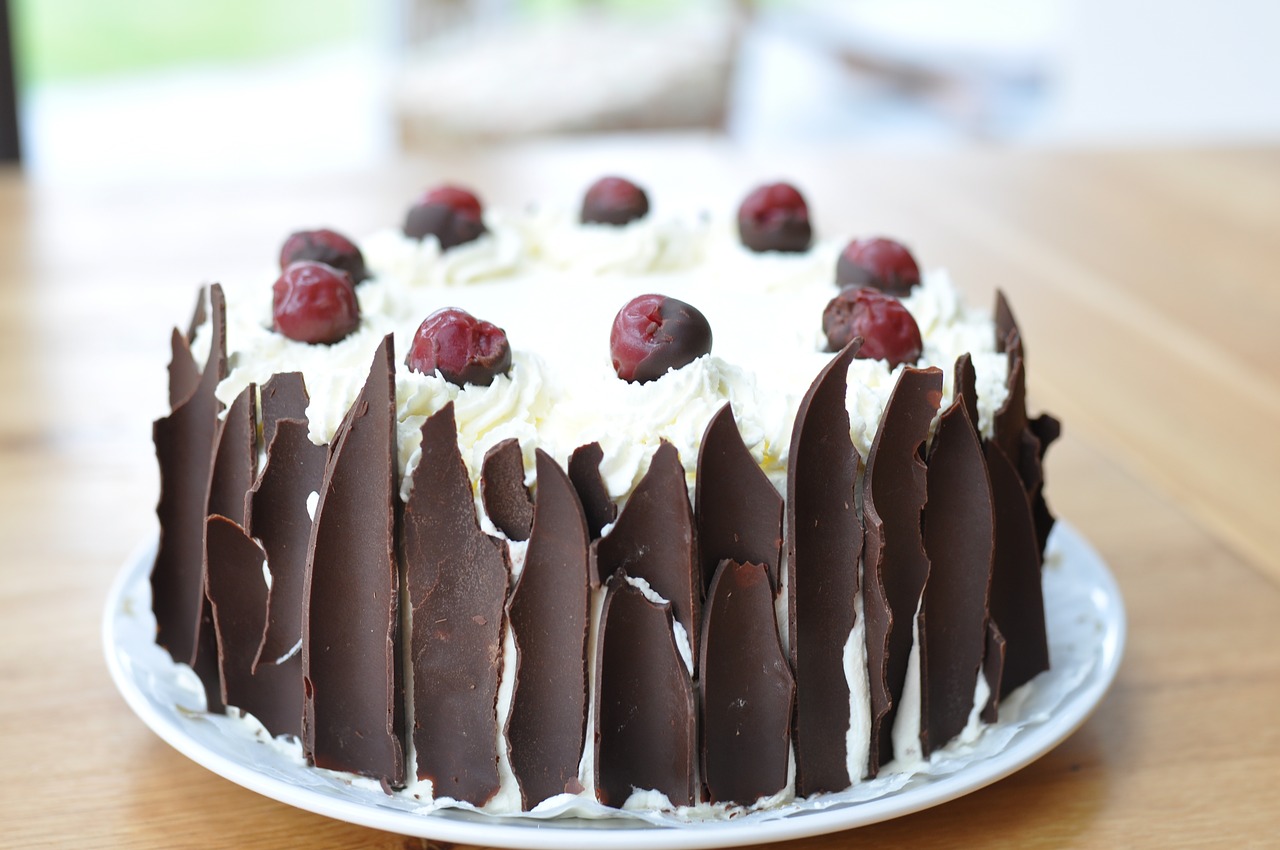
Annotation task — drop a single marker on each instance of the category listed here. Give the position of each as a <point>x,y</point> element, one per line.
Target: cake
<point>508,511</point>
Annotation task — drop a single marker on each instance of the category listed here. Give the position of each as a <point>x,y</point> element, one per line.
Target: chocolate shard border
<point>896,566</point>
<point>184,450</point>
<point>456,577</point>
<point>824,538</point>
<point>584,472</point>
<point>278,517</point>
<point>959,540</point>
<point>353,716</point>
<point>747,690</point>
<point>646,734</point>
<point>506,499</point>
<point>653,539</point>
<point>549,614</point>
<point>992,671</point>
<point>738,511</point>
<point>1017,600</point>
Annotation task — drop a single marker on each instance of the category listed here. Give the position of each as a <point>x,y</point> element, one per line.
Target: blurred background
<point>122,90</point>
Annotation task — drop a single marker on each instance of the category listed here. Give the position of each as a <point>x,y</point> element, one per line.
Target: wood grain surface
<point>1148,287</point>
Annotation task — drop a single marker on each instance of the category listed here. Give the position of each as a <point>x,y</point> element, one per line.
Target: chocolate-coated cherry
<point>450,213</point>
<point>324,246</point>
<point>879,263</point>
<point>888,330</point>
<point>614,200</point>
<point>314,302</point>
<point>462,348</point>
<point>775,217</point>
<point>654,333</point>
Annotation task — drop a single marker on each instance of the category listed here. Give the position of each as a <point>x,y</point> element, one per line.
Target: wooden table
<point>1148,286</point>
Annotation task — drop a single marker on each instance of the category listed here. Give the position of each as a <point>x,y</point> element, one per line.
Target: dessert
<point>540,512</point>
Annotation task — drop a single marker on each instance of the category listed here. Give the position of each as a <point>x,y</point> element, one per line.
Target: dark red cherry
<point>313,302</point>
<point>614,200</point>
<point>462,348</point>
<point>879,263</point>
<point>654,333</point>
<point>324,246</point>
<point>450,213</point>
<point>775,217</point>
<point>888,329</point>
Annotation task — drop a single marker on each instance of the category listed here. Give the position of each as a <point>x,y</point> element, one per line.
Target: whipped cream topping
<point>554,286</point>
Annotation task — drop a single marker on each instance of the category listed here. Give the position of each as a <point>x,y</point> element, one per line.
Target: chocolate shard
<point>747,691</point>
<point>350,653</point>
<point>966,387</point>
<point>584,472</point>
<point>198,314</point>
<point>238,596</point>
<point>184,374</point>
<point>896,566</point>
<point>653,539</point>
<point>1017,601</point>
<point>457,582</point>
<point>235,463</point>
<point>992,671</point>
<point>737,509</point>
<point>1046,430</point>
<point>646,735</point>
<point>959,540</point>
<point>1006,324</point>
<point>284,396</point>
<point>824,540</point>
<point>549,614</point>
<point>1010,421</point>
<point>184,451</point>
<point>506,499</point>
<point>279,518</point>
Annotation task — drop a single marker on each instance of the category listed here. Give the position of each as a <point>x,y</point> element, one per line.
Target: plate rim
<point>1031,744</point>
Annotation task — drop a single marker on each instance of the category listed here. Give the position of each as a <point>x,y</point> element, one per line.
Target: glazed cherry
<point>324,246</point>
<point>888,330</point>
<point>775,217</point>
<point>654,333</point>
<point>316,303</point>
<point>462,348</point>
<point>879,263</point>
<point>450,213</point>
<point>614,200</point>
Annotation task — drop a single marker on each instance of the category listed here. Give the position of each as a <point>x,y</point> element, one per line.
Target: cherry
<point>889,332</point>
<point>316,303</point>
<point>775,217</point>
<point>460,347</point>
<point>450,213</point>
<point>324,246</point>
<point>879,263</point>
<point>614,200</point>
<point>654,333</point>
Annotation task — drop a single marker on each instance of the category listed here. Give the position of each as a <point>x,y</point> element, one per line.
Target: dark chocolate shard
<point>198,314</point>
<point>824,541</point>
<point>992,671</point>
<point>184,374</point>
<point>653,539</point>
<point>1046,430</point>
<point>457,581</point>
<point>738,510</point>
<point>235,463</point>
<point>959,539</point>
<point>506,499</point>
<point>353,719</point>
<point>1011,418</point>
<point>584,472</point>
<point>1017,601</point>
<point>238,596</point>
<point>1006,324</point>
<point>966,387</point>
<point>747,691</point>
<point>646,735</point>
<point>184,451</point>
<point>279,518</point>
<point>896,566</point>
<point>284,396</point>
<point>549,613</point>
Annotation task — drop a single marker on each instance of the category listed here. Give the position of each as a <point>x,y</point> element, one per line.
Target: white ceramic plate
<point>1086,624</point>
